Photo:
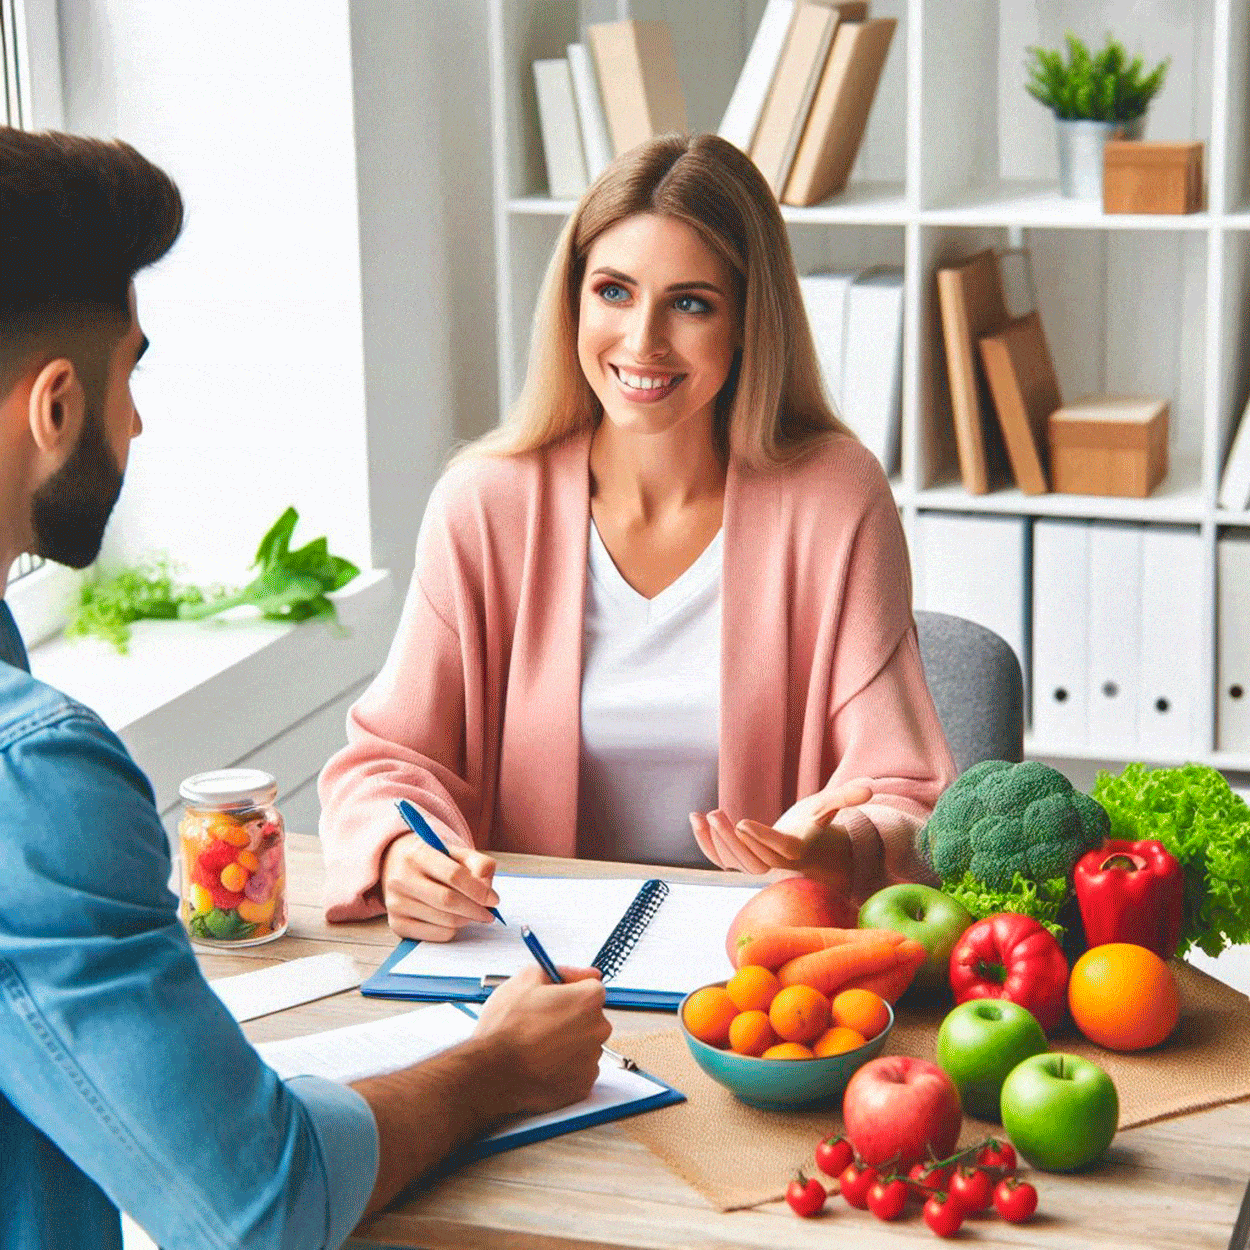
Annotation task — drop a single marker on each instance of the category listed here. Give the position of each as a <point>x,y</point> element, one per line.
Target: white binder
<point>1114,636</point>
<point>1060,633</point>
<point>974,567</point>
<point>1168,707</point>
<point>1233,644</point>
<point>872,373</point>
<point>824,300</point>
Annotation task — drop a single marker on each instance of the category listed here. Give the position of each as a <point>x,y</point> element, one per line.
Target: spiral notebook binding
<point>631,926</point>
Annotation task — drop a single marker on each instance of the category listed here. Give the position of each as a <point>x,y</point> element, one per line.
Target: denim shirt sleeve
<point>115,1047</point>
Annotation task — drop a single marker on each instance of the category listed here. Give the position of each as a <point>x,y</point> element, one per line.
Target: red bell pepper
<point>1014,957</point>
<point>1131,892</point>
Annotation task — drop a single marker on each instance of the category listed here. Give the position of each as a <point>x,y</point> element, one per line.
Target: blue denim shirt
<point>124,1082</point>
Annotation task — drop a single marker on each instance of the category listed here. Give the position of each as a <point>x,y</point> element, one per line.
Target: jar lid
<point>230,787</point>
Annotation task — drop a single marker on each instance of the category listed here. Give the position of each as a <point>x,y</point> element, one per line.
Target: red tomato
<point>944,1215</point>
<point>934,1179</point>
<point>1015,1200</point>
<point>855,1183</point>
<point>973,1189</point>
<point>833,1155</point>
<point>805,1196</point>
<point>886,1199</point>
<point>997,1154</point>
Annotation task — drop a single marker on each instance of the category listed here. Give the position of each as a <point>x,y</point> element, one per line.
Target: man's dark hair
<point>78,219</point>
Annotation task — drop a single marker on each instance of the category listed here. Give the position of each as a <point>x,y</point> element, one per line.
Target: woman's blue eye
<point>607,292</point>
<point>693,304</point>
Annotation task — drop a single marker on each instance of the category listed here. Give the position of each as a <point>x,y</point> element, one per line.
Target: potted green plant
<point>1094,97</point>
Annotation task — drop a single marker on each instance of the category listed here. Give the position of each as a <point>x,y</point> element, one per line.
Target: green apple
<point>979,1043</point>
<point>934,919</point>
<point>1060,1111</point>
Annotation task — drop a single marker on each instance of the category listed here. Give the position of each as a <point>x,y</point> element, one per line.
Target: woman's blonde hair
<point>772,407</point>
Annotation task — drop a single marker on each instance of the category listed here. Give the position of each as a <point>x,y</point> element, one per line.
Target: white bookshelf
<point>958,157</point>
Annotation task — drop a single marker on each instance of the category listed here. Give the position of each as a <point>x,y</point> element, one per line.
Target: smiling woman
<point>667,601</point>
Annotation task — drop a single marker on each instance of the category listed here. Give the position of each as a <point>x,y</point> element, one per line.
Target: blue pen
<point>421,827</point>
<point>544,962</point>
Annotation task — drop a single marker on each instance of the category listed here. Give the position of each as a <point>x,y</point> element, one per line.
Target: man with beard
<point>124,1082</point>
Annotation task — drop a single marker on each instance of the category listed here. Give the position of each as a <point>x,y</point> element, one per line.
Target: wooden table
<point>1177,1184</point>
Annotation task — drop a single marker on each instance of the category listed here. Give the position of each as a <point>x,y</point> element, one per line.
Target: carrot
<point>773,945</point>
<point>891,983</point>
<point>833,968</point>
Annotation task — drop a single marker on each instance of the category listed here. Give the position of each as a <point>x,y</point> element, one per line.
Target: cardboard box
<point>1151,177</point>
<point>1107,445</point>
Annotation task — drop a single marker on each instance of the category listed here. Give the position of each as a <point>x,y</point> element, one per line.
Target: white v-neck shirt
<point>650,710</point>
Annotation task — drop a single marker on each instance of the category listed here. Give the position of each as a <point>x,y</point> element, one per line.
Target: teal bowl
<point>781,1084</point>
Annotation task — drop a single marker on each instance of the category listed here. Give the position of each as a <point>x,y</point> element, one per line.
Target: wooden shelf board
<point>1039,205</point>
<point>540,206</point>
<point>862,203</point>
<point>1040,749</point>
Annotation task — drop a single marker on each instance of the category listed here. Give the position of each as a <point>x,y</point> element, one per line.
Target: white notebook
<point>380,1046</point>
<point>647,937</point>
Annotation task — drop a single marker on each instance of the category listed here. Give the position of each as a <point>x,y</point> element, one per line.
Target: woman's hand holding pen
<point>429,895</point>
<point>805,838</point>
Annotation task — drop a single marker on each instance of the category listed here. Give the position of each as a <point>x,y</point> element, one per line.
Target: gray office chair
<point>977,688</point>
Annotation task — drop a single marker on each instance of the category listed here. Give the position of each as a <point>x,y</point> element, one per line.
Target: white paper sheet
<point>252,994</point>
<point>682,948</point>
<point>379,1046</point>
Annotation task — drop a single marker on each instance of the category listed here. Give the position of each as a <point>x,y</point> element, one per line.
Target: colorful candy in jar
<point>233,878</point>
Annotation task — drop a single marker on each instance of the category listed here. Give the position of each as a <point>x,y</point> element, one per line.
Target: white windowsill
<point>191,696</point>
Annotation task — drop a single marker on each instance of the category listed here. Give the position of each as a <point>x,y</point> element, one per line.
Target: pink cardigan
<point>475,716</point>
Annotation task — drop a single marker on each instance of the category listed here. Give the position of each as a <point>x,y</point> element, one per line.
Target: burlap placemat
<point>737,1156</point>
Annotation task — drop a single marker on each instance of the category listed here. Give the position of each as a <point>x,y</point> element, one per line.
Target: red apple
<point>792,902</point>
<point>899,1106</point>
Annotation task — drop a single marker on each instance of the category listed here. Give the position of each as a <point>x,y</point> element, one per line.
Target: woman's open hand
<point>805,838</point>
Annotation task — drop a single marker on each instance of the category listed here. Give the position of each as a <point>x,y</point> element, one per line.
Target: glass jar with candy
<point>232,841</point>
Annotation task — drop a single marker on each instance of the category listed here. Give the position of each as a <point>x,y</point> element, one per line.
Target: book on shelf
<point>596,141</point>
<point>794,86</point>
<point>638,82</point>
<point>1235,482</point>
<point>1025,390</point>
<point>746,105</point>
<point>856,320</point>
<point>872,377</point>
<point>971,302</point>
<point>561,133</point>
<point>839,113</point>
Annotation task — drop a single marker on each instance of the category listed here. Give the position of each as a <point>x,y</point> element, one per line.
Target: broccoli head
<point>999,819</point>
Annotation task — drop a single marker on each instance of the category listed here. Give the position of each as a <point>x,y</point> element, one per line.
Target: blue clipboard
<point>485,1147</point>
<point>386,984</point>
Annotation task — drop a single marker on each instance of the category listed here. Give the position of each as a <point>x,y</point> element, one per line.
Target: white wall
<point>324,330</point>
<point>252,394</point>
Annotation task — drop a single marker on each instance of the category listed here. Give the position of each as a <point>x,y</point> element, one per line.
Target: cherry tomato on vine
<point>1015,1200</point>
<point>886,1199</point>
<point>856,1182</point>
<point>973,1189</point>
<point>833,1155</point>
<point>997,1154</point>
<point>805,1195</point>
<point>934,1179</point>
<point>944,1215</point>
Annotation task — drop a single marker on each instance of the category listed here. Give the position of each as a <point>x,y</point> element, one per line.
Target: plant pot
<point>1081,144</point>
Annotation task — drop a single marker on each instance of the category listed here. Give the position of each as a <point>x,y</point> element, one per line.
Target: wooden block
<point>1025,390</point>
<point>1152,177</point>
<point>1109,445</point>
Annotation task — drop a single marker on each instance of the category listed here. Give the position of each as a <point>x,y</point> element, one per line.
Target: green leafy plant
<point>1104,86</point>
<point>290,586</point>
<point>1193,811</point>
<point>1044,901</point>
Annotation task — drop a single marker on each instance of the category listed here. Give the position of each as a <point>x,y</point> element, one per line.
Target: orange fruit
<point>750,1033</point>
<point>1123,996</point>
<point>752,988</point>
<point>799,1013</point>
<point>861,1010</point>
<point>708,1015</point>
<point>837,1041</point>
<point>787,1050</point>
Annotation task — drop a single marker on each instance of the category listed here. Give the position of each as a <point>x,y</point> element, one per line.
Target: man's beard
<point>70,510</point>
